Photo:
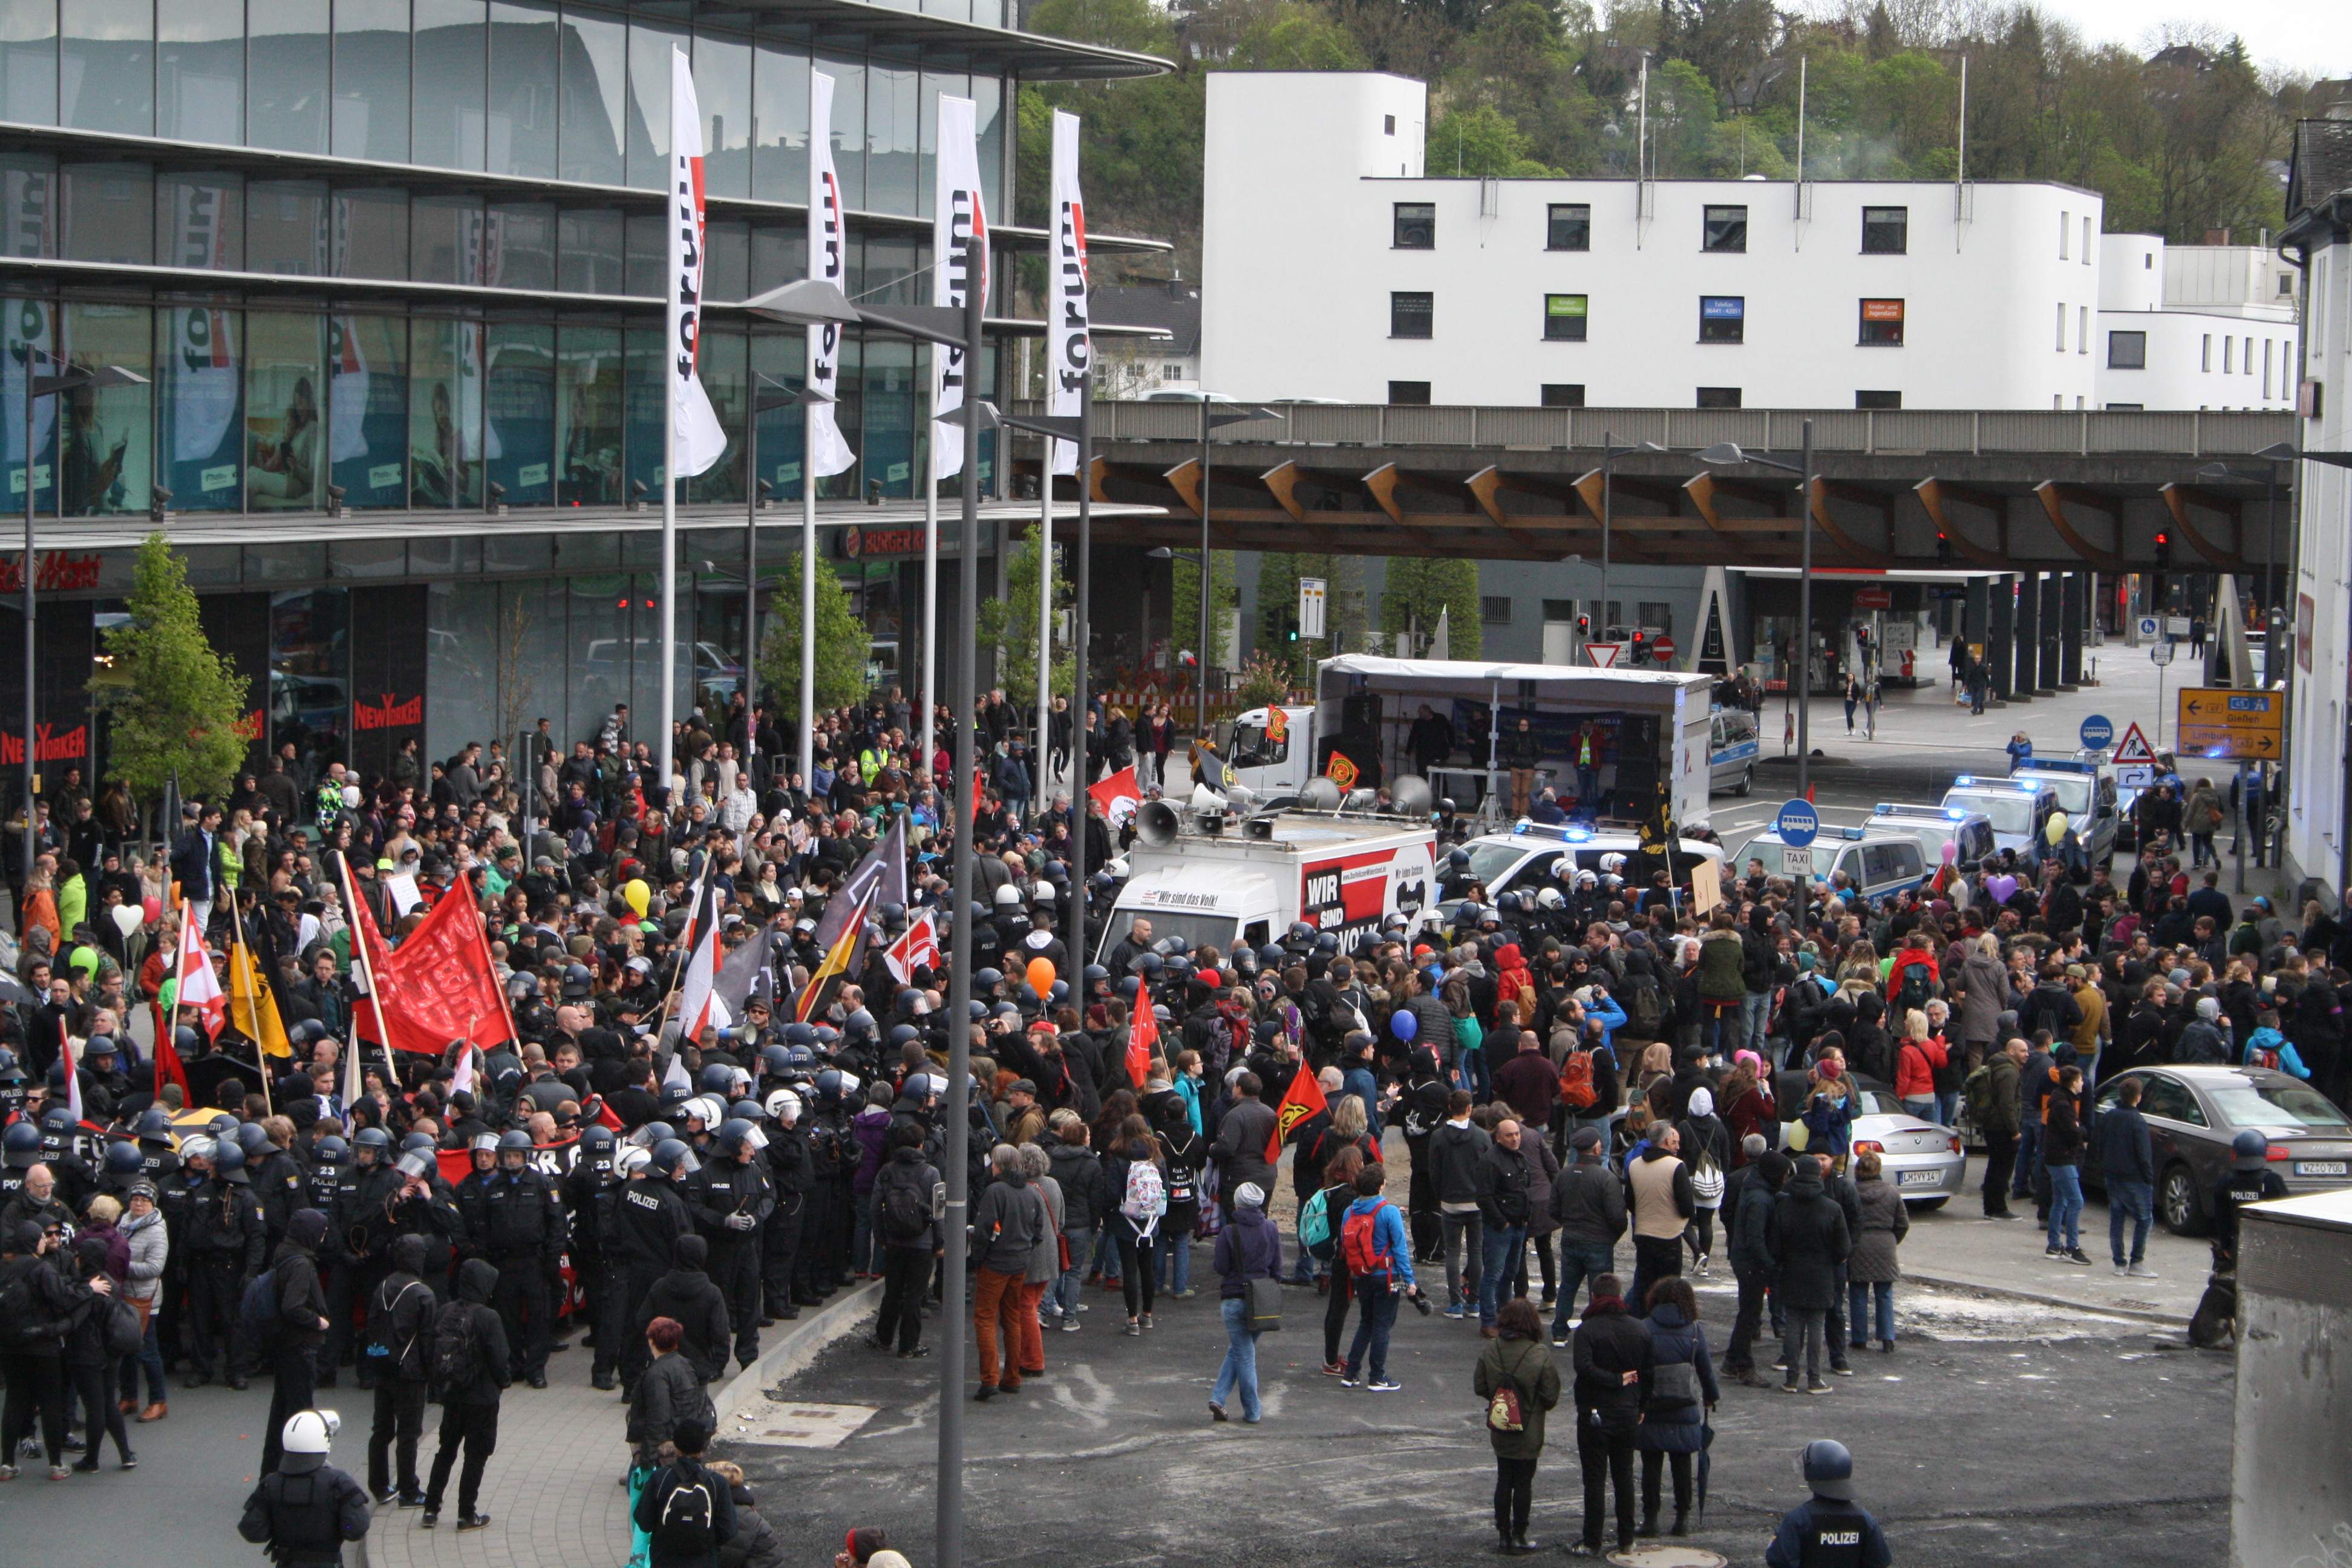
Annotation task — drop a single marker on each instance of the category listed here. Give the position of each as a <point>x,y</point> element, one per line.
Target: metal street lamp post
<point>1209,422</point>
<point>1609,452</point>
<point>767,394</point>
<point>1724,454</point>
<point>69,378</point>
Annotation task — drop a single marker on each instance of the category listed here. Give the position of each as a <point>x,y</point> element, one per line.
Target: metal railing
<point>1903,432</point>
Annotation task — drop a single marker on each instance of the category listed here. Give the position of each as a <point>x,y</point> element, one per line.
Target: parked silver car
<point>2194,1113</point>
<point>1923,1162</point>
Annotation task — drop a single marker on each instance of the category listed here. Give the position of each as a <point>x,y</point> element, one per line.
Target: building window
<point>1727,229</point>
<point>1884,402</point>
<point>1559,609</point>
<point>1563,395</point>
<point>1416,226</point>
<point>1495,609</point>
<point>2248,366</point>
<point>2065,226</point>
<point>2266,366</point>
<point>2087,239</point>
<point>1172,373</point>
<point>2205,354</point>
<point>1718,398</point>
<point>1568,226</point>
<point>1722,318</point>
<point>1410,313</point>
<point>1409,394</point>
<point>1388,125</point>
<point>2082,329</point>
<point>2286,285</point>
<point>1885,231</point>
<point>1564,318</point>
<point>2126,407</point>
<point>2062,327</point>
<point>1882,323</point>
<point>1657,615</point>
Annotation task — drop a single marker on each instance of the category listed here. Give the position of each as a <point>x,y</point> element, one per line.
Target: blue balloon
<point>1402,1023</point>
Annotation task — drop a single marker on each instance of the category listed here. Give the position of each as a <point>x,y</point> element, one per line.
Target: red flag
<point>167,1065</point>
<point>1119,794</point>
<point>1140,1039</point>
<point>438,985</point>
<point>975,792</point>
<point>1301,1100</point>
<point>918,948</point>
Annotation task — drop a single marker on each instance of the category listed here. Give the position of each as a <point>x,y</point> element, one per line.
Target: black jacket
<point>1503,1183</point>
<point>688,1295</point>
<point>647,1219</point>
<point>1609,1344</point>
<point>1588,1200</point>
<point>477,1280</point>
<point>399,1318</point>
<point>1808,1236</point>
<point>683,1471</point>
<point>1453,1156</point>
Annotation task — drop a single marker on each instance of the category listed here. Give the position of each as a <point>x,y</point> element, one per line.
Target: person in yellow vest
<point>1586,749</point>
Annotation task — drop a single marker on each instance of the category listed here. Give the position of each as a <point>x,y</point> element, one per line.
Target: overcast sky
<point>2312,36</point>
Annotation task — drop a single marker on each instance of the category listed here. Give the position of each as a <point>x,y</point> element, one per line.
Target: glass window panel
<point>29,324</point>
<point>601,610</point>
<point>286,227</point>
<point>641,549</point>
<point>519,441</point>
<point>887,451</point>
<point>894,272</point>
<point>588,416</point>
<point>779,254</point>
<point>29,61</point>
<point>723,90</point>
<point>650,44</point>
<point>645,636</point>
<point>199,71</point>
<point>780,103</point>
<point>514,552</point>
<point>108,457</point>
<point>988,113</point>
<point>647,258</point>
<point>367,558</point>
<point>213,565</point>
<point>956,84</point>
<point>106,79</point>
<point>445,413</point>
<point>370,234</point>
<point>285,369</point>
<point>596,50</point>
<point>28,204</point>
<point>783,357</point>
<point>589,251</point>
<point>200,221</point>
<point>275,560</point>
<point>442,555</point>
<point>959,9</point>
<point>309,655</point>
<point>460,676</point>
<point>893,136</point>
<point>372,70</point>
<point>720,358</point>
<point>537,634</point>
<point>847,130</point>
<point>446,239</point>
<point>587,551</point>
<point>368,409</point>
<point>451,96</point>
<point>727,261</point>
<point>519,251</point>
<point>110,213</point>
<point>288,60</point>
<point>641,407</point>
<point>523,89</point>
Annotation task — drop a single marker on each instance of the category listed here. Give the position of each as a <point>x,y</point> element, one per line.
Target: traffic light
<point>1943,548</point>
<point>2163,548</point>
<point>1584,628</point>
<point>1641,650</point>
<point>1290,625</point>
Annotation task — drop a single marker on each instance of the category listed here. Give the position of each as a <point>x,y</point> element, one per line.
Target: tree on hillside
<point>177,707</point>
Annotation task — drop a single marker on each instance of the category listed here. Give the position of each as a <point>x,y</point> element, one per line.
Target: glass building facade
<point>402,256</point>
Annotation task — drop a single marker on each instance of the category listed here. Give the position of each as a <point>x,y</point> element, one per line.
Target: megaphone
<point>1410,796</point>
<point>1156,822</point>
<point>1320,794</point>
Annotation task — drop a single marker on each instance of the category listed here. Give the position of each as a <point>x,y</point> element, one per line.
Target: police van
<point>2086,792</point>
<point>1875,859</point>
<point>1969,832</point>
<point>2017,807</point>
<point>1733,746</point>
<point>1533,855</point>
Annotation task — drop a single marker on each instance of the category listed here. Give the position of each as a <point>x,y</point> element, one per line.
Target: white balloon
<point>127,918</point>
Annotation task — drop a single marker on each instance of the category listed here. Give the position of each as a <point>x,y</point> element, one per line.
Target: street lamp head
<point>2216,471</point>
<point>1653,446</point>
<point>805,301</point>
<point>1160,553</point>
<point>2280,452</point>
<point>1722,452</point>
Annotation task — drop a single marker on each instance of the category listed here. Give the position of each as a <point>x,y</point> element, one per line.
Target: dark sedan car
<point>2194,1113</point>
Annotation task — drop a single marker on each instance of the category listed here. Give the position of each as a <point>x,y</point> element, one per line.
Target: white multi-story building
<point>1336,267</point>
<point>2194,326</point>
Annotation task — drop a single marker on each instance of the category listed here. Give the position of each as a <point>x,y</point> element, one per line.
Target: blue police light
<point>1519,827</point>
<point>1964,781</point>
<point>1955,814</point>
<point>1578,834</point>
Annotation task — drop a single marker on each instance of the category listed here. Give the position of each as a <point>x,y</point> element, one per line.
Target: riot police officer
<point>585,1190</point>
<point>1827,1529</point>
<point>648,1217</point>
<point>306,1509</point>
<point>780,1242</point>
<point>522,1231</point>
<point>834,1158</point>
<point>60,1138</point>
<point>228,1242</point>
<point>732,1198</point>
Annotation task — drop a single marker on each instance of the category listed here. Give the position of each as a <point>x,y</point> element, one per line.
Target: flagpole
<point>930,570</point>
<point>1044,629</point>
<point>677,969</point>
<point>366,963</point>
<point>808,591</point>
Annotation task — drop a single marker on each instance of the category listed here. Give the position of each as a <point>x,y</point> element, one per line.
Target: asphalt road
<point>1981,1439</point>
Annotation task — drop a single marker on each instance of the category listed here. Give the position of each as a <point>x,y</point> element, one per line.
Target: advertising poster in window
<point>28,341</point>
<point>284,436</point>
<point>522,406</point>
<point>201,381</point>
<point>588,414</point>
<point>367,441</point>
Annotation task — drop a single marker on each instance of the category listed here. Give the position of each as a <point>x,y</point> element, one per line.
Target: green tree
<point>177,708</point>
<point>1008,627</point>
<point>841,645</point>
<point>1184,593</point>
<point>1419,586</point>
<point>1481,140</point>
<point>1278,573</point>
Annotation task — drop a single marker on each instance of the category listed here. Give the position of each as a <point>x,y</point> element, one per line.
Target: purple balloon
<point>1401,1024</point>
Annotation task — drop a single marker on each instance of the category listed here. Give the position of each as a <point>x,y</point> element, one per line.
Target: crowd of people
<point>1563,1069</point>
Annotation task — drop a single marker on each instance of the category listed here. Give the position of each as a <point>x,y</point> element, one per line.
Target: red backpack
<point>1576,1086</point>
<point>1357,1243</point>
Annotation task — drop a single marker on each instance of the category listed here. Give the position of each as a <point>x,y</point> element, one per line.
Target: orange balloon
<point>1041,976</point>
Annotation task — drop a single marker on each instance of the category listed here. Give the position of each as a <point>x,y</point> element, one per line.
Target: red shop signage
<point>391,713</point>
<point>48,746</point>
<point>58,573</point>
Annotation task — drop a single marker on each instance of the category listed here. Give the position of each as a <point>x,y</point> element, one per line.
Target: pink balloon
<point>1951,851</point>
<point>153,906</point>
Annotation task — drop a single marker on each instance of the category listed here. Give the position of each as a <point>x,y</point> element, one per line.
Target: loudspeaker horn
<point>1320,794</point>
<point>1410,796</point>
<point>1156,822</point>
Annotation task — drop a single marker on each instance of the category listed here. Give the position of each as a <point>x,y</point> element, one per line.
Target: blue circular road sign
<point>1797,823</point>
<point>2097,732</point>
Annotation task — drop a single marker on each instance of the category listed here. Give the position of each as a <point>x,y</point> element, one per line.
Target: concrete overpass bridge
<point>1994,490</point>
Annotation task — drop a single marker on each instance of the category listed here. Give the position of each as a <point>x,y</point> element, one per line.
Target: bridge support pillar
<point>2000,636</point>
<point>2070,641</point>
<point>2026,683</point>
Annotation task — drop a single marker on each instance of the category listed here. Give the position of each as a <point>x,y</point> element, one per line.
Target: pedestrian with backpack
<point>1380,1262</point>
<point>1249,1260</point>
<point>669,1395</point>
<point>1139,1188</point>
<point>397,1352</point>
<point>1319,1219</point>
<point>903,1214</point>
<point>291,1335</point>
<point>468,1374</point>
<point>1517,1379</point>
<point>687,1510</point>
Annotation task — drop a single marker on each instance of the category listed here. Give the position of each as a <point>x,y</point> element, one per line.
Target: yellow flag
<point>252,1010</point>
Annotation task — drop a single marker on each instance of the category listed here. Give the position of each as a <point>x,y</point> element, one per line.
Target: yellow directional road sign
<point>2218,723</point>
